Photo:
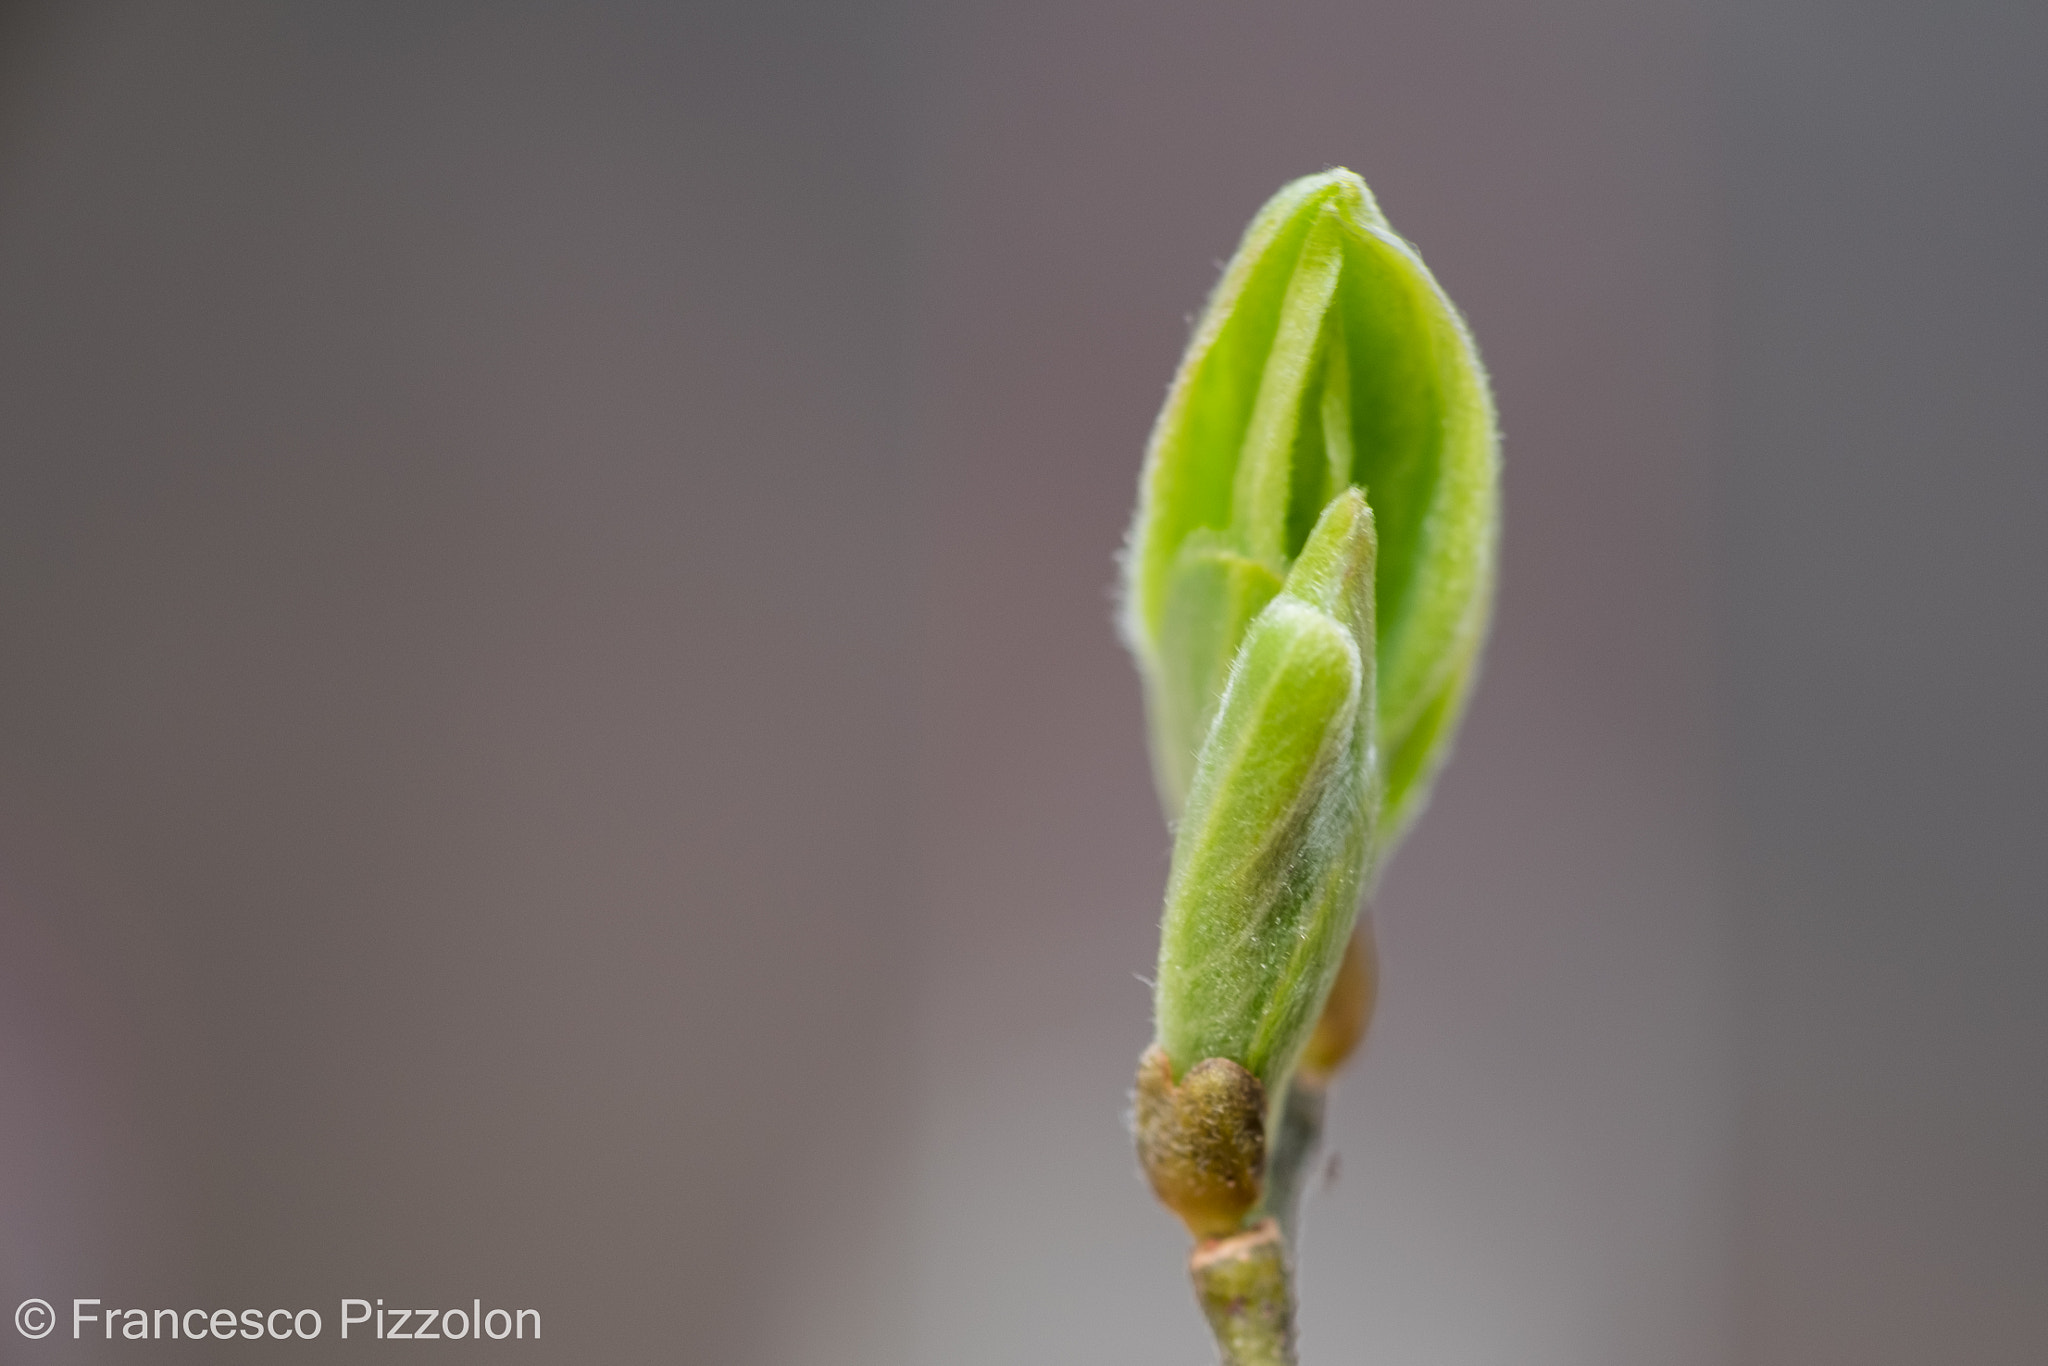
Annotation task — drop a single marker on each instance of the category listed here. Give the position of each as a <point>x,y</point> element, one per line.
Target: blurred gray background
<point>561,740</point>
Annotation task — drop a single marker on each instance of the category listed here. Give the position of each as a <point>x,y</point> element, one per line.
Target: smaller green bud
<point>1277,833</point>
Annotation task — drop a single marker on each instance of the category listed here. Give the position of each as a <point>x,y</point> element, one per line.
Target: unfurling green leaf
<point>1328,358</point>
<point>1277,829</point>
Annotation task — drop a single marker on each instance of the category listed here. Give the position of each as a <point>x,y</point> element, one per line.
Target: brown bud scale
<point>1202,1142</point>
<point>1346,1013</point>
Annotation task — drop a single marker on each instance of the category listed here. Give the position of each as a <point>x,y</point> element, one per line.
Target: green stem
<point>1246,1289</point>
<point>1293,1155</point>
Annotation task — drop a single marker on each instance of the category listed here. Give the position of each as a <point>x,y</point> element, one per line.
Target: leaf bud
<point>1276,836</point>
<point>1327,358</point>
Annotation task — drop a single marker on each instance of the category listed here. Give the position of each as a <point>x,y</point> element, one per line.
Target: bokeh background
<point>561,740</point>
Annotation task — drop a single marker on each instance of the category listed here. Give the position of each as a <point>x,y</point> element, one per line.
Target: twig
<point>1246,1290</point>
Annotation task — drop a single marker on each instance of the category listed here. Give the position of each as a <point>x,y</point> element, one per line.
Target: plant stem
<point>1246,1289</point>
<point>1293,1155</point>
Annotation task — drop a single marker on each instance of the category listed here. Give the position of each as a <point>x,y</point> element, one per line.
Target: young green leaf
<point>1328,358</point>
<point>1278,827</point>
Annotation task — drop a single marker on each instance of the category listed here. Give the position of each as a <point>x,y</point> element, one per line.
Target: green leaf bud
<point>1327,358</point>
<point>1273,844</point>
